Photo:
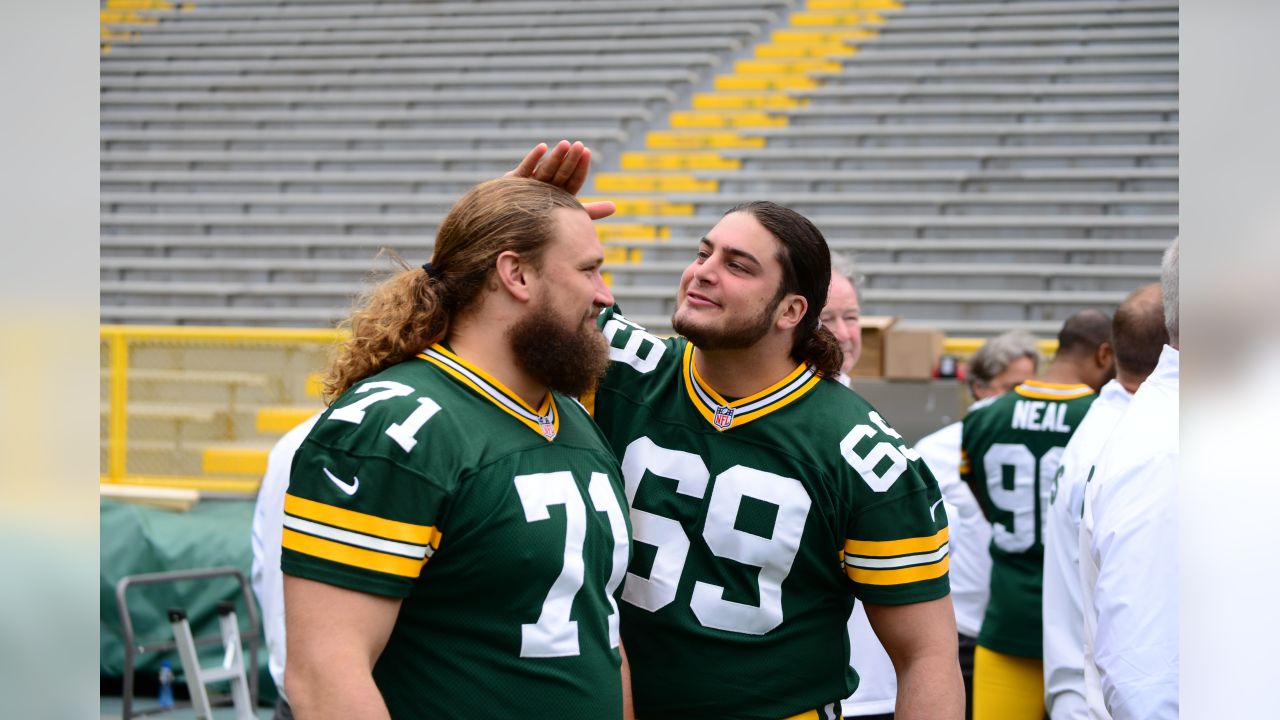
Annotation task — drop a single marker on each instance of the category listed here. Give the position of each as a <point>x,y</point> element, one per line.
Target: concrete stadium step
<point>965,8</point>
<point>429,48</point>
<point>961,57</point>
<point>957,113</point>
<point>952,251</point>
<point>191,23</point>
<point>1009,305</point>
<point>232,200</point>
<point>941,158</point>
<point>815,204</point>
<point>290,248</point>
<point>888,38</point>
<point>116,67</point>
<point>1162,71</point>
<point>626,117</point>
<point>493,32</point>
<point>265,9</point>
<point>177,314</point>
<point>444,79</point>
<point>994,92</point>
<point>455,182</point>
<point>497,161</point>
<point>1068,180</point>
<point>425,224</point>
<point>456,159</point>
<point>398,138</point>
<point>1090,134</point>
<point>1015,20</point>
<point>644,96</point>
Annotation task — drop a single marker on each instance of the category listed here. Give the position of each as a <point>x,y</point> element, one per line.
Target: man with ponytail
<point>455,533</point>
<point>765,497</point>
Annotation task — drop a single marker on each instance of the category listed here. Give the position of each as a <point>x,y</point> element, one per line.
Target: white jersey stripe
<point>897,562</point>
<point>369,542</point>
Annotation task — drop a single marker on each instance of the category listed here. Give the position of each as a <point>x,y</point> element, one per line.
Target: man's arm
<point>921,641</point>
<point>628,705</point>
<point>334,638</point>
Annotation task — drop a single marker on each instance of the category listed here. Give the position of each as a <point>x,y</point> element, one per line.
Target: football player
<point>1010,447</point>
<point>455,532</point>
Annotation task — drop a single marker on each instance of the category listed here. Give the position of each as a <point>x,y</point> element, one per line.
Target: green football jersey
<point>756,523</point>
<point>502,527</point>
<point>1009,452</point>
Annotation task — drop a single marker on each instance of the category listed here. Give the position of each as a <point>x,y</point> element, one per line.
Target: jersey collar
<point>1051,391</point>
<point>545,420</point>
<point>723,414</point>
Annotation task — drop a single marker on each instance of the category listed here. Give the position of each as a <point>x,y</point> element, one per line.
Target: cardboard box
<point>912,353</point>
<point>871,361</point>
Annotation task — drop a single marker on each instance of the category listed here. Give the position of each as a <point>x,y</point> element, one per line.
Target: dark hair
<point>1138,332</point>
<point>1083,332</point>
<point>806,270</point>
<point>403,316</point>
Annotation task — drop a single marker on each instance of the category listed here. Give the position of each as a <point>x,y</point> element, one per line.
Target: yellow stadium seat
<point>624,182</point>
<point>819,37</point>
<point>829,19</point>
<point>721,120</point>
<point>610,232</point>
<point>779,67</point>
<point>282,419</point>
<point>234,460</point>
<point>765,82</point>
<point>853,5</point>
<point>801,50</point>
<point>315,385</point>
<point>695,140</point>
<point>677,161</point>
<point>744,101</point>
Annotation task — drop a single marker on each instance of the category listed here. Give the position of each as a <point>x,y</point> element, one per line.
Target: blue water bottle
<point>166,684</point>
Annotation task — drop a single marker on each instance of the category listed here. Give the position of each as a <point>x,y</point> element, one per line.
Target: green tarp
<point>138,539</point>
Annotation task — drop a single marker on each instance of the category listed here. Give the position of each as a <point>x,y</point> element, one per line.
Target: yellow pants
<point>1007,687</point>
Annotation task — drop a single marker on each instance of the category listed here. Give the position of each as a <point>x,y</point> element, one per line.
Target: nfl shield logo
<point>548,427</point>
<point>723,417</point>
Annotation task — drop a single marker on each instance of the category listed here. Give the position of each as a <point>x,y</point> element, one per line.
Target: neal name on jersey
<point>756,522</point>
<point>502,527</point>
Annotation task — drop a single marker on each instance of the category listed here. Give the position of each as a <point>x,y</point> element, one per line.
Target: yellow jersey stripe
<point>1046,396</point>
<point>361,522</point>
<point>499,395</point>
<point>807,715</point>
<point>899,576</point>
<point>782,393</point>
<point>354,556</point>
<point>891,548</point>
<point>1052,391</point>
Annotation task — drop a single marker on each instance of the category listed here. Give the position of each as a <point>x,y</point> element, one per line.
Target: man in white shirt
<point>265,576</point>
<point>1137,336</point>
<point>1001,364</point>
<point>877,682</point>
<point>1129,546</point>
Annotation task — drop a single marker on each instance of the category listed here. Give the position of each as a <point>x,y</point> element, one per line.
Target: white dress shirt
<point>1063,614</point>
<point>877,691</point>
<point>968,529</point>
<point>268,527</point>
<point>1129,558</point>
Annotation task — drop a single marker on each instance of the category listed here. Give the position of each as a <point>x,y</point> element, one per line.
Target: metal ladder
<point>244,685</point>
<point>232,667</point>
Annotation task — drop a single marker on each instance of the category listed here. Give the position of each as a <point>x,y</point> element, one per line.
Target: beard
<point>737,335</point>
<point>567,357</point>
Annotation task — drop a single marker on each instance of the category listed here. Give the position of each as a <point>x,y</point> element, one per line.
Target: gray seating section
<point>993,165</point>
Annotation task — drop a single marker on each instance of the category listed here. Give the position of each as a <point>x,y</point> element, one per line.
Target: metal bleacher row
<point>994,165</point>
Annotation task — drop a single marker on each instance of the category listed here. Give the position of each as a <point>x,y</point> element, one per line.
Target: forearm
<point>930,688</point>
<point>628,706</point>
<point>330,690</point>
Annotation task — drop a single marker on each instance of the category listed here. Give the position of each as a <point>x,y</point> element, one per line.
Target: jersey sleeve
<point>356,515</point>
<point>896,541</point>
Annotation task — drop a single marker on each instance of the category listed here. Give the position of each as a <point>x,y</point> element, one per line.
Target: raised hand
<point>565,166</point>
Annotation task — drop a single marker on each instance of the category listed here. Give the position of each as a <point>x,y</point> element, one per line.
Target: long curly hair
<point>404,315</point>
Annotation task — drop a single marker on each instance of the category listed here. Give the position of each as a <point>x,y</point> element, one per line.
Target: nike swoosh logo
<point>346,487</point>
<point>932,508</point>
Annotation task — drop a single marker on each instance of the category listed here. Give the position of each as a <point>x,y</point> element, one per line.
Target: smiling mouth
<point>699,299</point>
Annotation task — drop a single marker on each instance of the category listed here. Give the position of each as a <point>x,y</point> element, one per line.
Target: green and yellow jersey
<point>502,526</point>
<point>757,521</point>
<point>1010,449</point>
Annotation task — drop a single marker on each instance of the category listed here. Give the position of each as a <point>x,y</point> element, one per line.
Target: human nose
<point>603,296</point>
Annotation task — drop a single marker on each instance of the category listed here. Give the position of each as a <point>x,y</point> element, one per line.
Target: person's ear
<point>790,311</point>
<point>1104,356</point>
<point>514,276</point>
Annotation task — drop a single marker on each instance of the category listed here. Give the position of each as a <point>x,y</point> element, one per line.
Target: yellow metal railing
<point>182,406</point>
